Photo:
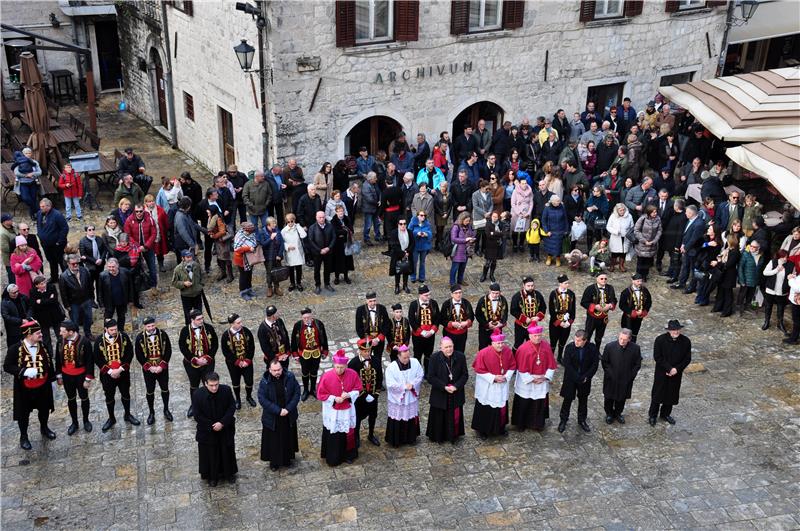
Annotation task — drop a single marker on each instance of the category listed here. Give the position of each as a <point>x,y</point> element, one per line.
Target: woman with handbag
<point>596,215</point>
<point>462,236</point>
<point>220,235</point>
<point>342,263</point>
<point>618,225</point>
<point>401,248</point>
<point>294,255</point>
<point>271,241</point>
<point>246,254</point>
<point>647,231</point>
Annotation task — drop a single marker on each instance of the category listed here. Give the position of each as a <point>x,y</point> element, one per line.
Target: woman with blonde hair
<point>294,256</point>
<point>618,225</point>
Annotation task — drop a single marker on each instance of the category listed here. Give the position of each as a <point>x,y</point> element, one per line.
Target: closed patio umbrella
<point>35,108</point>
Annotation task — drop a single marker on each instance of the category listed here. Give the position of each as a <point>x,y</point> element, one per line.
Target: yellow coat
<point>535,233</point>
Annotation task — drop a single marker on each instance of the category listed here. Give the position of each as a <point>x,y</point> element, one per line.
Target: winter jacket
<point>556,224</point>
<point>134,193</point>
<point>422,177</point>
<point>481,206</point>
<point>749,271</point>
<point>421,243</point>
<point>521,207</point>
<point>535,233</point>
<point>257,197</point>
<point>370,197</point>
<point>647,229</point>
<point>71,184</point>
<point>617,228</point>
<point>22,272</point>
<point>458,236</point>
<point>148,228</point>
<point>14,311</point>
<point>52,228</point>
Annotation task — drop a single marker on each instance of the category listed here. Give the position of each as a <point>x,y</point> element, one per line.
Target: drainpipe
<point>723,51</point>
<point>173,130</point>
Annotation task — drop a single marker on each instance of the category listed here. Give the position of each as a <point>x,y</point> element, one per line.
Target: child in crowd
<point>534,239</point>
<point>599,256</point>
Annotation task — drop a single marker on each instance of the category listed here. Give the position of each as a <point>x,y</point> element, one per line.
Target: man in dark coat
<point>214,409</point>
<point>621,361</point>
<point>279,395</point>
<point>392,206</point>
<point>448,375</point>
<point>671,239</point>
<point>198,343</point>
<point>491,313</point>
<point>581,359</point>
<point>29,363</point>
<point>113,354</point>
<point>672,353</point>
<point>463,145</point>
<point>15,308</point>
<point>307,206</point>
<point>273,337</point>
<point>461,191</point>
<point>321,238</point>
<point>527,308</point>
<point>690,245</point>
<point>52,231</point>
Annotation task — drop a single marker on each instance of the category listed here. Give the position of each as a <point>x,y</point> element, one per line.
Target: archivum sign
<point>421,72</point>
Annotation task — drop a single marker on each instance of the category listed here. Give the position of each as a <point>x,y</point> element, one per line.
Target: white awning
<point>772,19</point>
<point>778,161</point>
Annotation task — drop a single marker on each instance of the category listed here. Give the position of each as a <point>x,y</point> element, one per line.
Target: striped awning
<point>751,107</point>
<point>778,161</point>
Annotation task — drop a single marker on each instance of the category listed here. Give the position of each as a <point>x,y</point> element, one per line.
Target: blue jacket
<point>473,173</point>
<point>272,248</point>
<point>405,165</point>
<point>53,228</point>
<point>364,166</point>
<point>267,397</point>
<point>602,208</point>
<point>422,177</point>
<point>421,243</point>
<point>693,236</point>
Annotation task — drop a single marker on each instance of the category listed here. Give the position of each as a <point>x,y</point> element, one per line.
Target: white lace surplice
<point>525,388</point>
<point>339,420</point>
<point>489,393</point>
<point>402,403</point>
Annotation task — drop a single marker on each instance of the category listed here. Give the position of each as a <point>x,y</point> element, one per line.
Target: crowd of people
<point>604,191</point>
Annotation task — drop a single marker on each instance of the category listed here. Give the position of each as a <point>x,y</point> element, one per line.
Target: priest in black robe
<point>672,352</point>
<point>448,375</point>
<point>621,362</point>
<point>279,395</point>
<point>214,408</point>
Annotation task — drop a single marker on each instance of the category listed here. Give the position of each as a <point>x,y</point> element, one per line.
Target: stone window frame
<point>605,15</point>
<point>482,26</point>
<point>389,23</point>
<point>188,106</point>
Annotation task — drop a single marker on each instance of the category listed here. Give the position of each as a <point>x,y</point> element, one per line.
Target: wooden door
<point>228,149</point>
<point>161,91</point>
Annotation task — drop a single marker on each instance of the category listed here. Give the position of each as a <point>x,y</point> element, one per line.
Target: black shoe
<point>273,467</point>
<point>87,426</point>
<point>138,306</point>
<point>335,281</point>
<point>238,405</point>
<point>292,287</point>
<point>669,419</point>
<point>347,280</point>
<point>621,418</point>
<point>213,482</point>
<point>562,426</point>
<point>765,326</point>
<point>790,341</point>
<point>397,290</point>
<point>300,287</point>
<point>251,401</point>
<point>330,288</point>
<point>584,426</point>
<point>107,425</point>
<point>374,440</point>
<point>151,419</point>
<point>687,291</point>
<point>72,429</point>
<point>317,290</point>
<point>130,419</point>
<point>405,288</point>
<point>483,436</point>
<point>24,443</point>
<point>348,461</point>
<point>305,395</point>
<point>782,328</point>
<point>609,419</point>
<point>190,412</point>
<point>652,421</point>
<point>47,433</point>
<point>168,414</point>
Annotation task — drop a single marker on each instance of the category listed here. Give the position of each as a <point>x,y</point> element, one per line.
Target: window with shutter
<point>633,8</point>
<point>459,17</point>
<point>672,6</point>
<point>608,9</point>
<point>406,20</point>
<point>587,10</point>
<point>188,106</point>
<point>513,13</point>
<point>345,23</point>
<point>374,21</point>
<point>485,15</point>
<point>716,3</point>
<point>684,5</point>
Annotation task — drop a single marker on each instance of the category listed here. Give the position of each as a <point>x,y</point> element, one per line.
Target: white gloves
<point>30,372</point>
<point>370,399</point>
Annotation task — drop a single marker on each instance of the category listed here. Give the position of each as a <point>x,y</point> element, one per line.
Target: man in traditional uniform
<point>492,314</point>
<point>75,371</point>
<point>367,402</point>
<point>399,331</point>
<point>536,367</point>
<point>672,353</point>
<point>372,324</point>
<point>338,391</point>
<point>153,349</point>
<point>239,348</point>
<point>274,338</point>
<point>113,354</point>
<point>456,318</point>
<point>423,315</point>
<point>562,315</point>
<point>309,344</point>
<point>198,343</point>
<point>448,376</point>
<point>581,359</point>
<point>621,362</point>
<point>29,363</point>
<point>494,366</point>
<point>635,302</point>
<point>527,308</point>
<point>215,410</point>
<point>598,299</point>
<point>403,381</point>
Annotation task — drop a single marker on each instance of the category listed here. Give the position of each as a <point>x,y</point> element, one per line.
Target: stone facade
<point>423,85</point>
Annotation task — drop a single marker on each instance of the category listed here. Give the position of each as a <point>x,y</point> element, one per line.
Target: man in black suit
<point>665,212</point>
<point>461,191</point>
<point>321,238</point>
<point>690,244</point>
<point>93,251</point>
<point>726,212</point>
<point>463,145</point>
<point>581,359</point>
<point>671,240</point>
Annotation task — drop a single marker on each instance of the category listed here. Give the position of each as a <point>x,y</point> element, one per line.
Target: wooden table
<point>65,137</point>
<point>23,117</point>
<point>106,176</point>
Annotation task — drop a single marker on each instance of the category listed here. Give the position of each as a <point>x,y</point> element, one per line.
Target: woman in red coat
<point>157,213</point>
<point>71,185</point>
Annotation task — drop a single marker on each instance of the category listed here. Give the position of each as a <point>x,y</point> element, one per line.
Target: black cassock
<point>446,416</point>
<point>216,449</point>
<point>669,354</point>
<point>620,367</point>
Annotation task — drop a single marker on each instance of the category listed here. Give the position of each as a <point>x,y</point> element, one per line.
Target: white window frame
<point>482,20</point>
<point>372,38</point>
<point>690,4</point>
<point>601,9</point>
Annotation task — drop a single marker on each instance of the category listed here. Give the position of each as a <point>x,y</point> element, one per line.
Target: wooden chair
<point>89,141</point>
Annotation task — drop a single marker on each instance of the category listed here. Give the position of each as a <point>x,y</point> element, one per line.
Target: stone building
<point>89,24</point>
<point>347,73</point>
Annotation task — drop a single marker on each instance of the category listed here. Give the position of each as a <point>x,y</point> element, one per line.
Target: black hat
<point>70,325</point>
<point>232,317</point>
<point>195,313</point>
<point>455,287</point>
<point>363,148</point>
<point>397,306</point>
<point>637,276</point>
<point>494,287</point>
<point>423,289</point>
<point>271,310</point>
<point>526,279</point>
<point>109,323</point>
<point>149,320</point>
<point>674,324</point>
<point>562,278</point>
<point>128,150</point>
<point>305,311</point>
<point>370,295</point>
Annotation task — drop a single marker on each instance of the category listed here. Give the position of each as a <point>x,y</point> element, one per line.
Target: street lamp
<point>748,9</point>
<point>245,53</point>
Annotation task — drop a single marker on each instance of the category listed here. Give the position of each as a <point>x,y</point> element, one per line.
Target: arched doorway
<point>375,132</point>
<point>160,87</point>
<point>492,113</point>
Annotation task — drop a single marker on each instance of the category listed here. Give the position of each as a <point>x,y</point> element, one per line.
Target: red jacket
<point>73,179</point>
<point>149,229</point>
<point>161,246</point>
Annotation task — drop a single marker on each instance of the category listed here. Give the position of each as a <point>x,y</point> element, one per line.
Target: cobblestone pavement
<point>731,461</point>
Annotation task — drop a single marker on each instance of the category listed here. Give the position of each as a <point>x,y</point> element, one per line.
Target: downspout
<point>173,130</point>
<point>723,51</point>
